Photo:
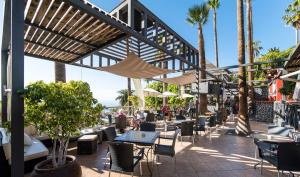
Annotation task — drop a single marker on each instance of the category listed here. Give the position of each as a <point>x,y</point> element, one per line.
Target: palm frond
<point>198,14</point>
<point>214,4</point>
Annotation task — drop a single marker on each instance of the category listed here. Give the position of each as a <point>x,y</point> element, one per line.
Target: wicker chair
<point>122,158</point>
<point>148,127</point>
<point>187,129</point>
<point>166,150</point>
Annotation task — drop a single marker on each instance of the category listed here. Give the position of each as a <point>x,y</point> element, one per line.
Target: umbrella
<point>185,95</point>
<point>167,94</point>
<point>151,92</point>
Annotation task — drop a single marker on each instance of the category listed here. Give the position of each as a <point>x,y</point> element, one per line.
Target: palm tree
<point>123,96</point>
<point>274,49</point>
<point>256,47</point>
<point>292,17</point>
<point>243,124</point>
<point>215,4</point>
<point>250,55</point>
<point>60,72</point>
<point>198,15</point>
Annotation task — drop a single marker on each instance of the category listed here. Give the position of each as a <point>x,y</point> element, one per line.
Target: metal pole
<point>17,79</point>
<point>4,57</point>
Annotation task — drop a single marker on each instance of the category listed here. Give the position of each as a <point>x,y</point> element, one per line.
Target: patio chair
<point>122,158</point>
<point>150,117</point>
<point>201,125</point>
<point>110,134</point>
<point>283,155</point>
<point>148,127</point>
<point>187,129</point>
<point>169,127</point>
<point>166,150</point>
<point>121,122</point>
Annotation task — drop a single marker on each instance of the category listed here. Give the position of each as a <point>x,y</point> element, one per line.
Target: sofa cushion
<point>27,140</point>
<point>36,150</point>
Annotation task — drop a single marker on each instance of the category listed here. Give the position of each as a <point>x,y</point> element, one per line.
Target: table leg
<point>148,160</point>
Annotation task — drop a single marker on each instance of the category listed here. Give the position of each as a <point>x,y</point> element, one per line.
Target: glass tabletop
<point>180,121</point>
<point>271,138</point>
<point>138,137</point>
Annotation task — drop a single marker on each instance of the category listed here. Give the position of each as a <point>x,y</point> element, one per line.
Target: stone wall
<point>264,111</point>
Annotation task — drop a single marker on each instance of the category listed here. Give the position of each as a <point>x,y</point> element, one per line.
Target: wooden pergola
<point>77,32</point>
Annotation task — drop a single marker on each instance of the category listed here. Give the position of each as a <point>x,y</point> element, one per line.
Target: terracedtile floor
<point>220,155</point>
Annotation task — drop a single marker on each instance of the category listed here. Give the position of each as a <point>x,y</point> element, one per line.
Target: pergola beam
<point>249,64</point>
<point>17,80</point>
<point>58,34</point>
<point>126,29</point>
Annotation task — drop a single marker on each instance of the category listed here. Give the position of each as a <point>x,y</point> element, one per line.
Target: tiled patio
<point>223,156</point>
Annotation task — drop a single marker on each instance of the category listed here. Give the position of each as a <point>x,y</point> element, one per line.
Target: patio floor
<point>223,156</point>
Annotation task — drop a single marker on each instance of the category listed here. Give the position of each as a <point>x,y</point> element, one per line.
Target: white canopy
<point>185,79</point>
<point>185,95</point>
<point>167,94</point>
<point>134,67</point>
<point>151,92</point>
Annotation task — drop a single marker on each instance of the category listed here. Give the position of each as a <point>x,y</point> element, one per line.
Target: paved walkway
<point>222,156</point>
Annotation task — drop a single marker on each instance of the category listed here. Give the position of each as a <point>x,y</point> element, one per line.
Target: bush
<point>60,110</point>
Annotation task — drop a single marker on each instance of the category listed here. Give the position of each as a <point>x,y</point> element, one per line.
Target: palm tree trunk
<point>60,72</point>
<point>216,51</point>
<point>297,35</point>
<point>165,85</point>
<point>243,125</point>
<point>203,97</point>
<point>216,39</point>
<point>129,94</point>
<point>250,56</point>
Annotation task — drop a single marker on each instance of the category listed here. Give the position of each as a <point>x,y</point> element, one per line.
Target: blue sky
<point>268,28</point>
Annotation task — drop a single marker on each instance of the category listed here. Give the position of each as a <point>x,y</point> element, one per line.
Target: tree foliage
<point>134,100</point>
<point>273,54</point>
<point>198,14</point>
<point>173,101</point>
<point>288,88</point>
<point>60,110</point>
<point>123,97</point>
<point>292,14</point>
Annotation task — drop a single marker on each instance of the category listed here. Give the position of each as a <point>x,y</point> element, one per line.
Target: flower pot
<point>45,169</point>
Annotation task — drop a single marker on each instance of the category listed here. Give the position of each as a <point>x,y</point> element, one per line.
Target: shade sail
<point>134,67</point>
<point>151,92</point>
<point>185,79</point>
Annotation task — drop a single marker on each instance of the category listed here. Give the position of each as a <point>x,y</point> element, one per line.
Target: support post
<point>4,56</point>
<point>165,85</point>
<point>17,80</point>
<point>145,24</point>
<point>128,81</point>
<point>131,13</point>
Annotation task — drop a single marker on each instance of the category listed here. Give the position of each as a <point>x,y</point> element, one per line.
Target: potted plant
<point>60,110</point>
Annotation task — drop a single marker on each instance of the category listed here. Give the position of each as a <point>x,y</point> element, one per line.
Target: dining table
<point>264,137</point>
<point>140,137</point>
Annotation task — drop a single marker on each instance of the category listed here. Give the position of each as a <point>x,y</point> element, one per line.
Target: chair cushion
<point>86,131</point>
<point>88,138</point>
<point>282,131</point>
<point>164,150</point>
